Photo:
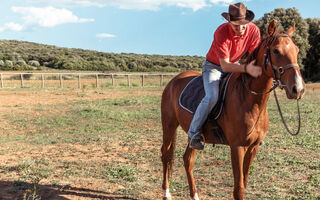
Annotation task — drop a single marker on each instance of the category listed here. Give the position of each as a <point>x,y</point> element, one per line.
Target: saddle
<point>192,95</point>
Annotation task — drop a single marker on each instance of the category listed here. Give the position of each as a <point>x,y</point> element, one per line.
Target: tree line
<point>20,55</point>
<point>306,37</point>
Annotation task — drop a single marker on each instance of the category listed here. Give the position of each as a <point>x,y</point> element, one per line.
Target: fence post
<point>1,80</point>
<point>142,80</point>
<point>79,81</point>
<point>112,79</point>
<point>42,80</point>
<point>21,76</point>
<point>161,80</point>
<point>97,83</point>
<point>61,83</point>
<point>128,78</point>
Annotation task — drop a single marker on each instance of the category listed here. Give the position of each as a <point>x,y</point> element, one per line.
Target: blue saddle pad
<point>193,93</point>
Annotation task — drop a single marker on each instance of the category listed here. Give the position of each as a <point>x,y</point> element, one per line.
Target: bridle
<point>277,71</point>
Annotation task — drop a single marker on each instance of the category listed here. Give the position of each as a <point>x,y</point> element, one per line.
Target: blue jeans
<point>211,74</point>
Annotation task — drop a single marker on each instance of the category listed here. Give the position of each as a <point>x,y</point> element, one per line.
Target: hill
<point>22,55</point>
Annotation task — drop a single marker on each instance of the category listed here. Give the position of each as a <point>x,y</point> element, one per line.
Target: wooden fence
<point>22,78</point>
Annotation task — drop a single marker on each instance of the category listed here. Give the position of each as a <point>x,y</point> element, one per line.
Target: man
<point>231,41</point>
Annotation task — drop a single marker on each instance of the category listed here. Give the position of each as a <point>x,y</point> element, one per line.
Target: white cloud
<point>136,4</point>
<point>11,26</point>
<point>224,2</point>
<point>44,17</point>
<point>86,3</point>
<point>47,16</point>
<point>105,35</point>
<point>155,4</point>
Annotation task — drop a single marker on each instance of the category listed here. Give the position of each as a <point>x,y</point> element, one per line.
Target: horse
<point>244,119</point>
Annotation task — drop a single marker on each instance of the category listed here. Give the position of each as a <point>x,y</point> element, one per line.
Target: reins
<point>282,118</point>
<point>276,83</point>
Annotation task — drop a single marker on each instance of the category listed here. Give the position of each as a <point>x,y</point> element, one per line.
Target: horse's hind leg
<point>169,127</point>
<point>189,159</point>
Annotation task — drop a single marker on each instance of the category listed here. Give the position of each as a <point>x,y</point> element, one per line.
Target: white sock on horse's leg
<point>196,197</point>
<point>166,193</point>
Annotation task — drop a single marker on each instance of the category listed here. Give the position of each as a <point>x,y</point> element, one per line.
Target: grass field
<point>105,144</point>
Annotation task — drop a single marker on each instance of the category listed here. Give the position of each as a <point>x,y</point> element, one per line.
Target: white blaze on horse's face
<point>295,90</point>
<point>299,83</point>
<point>284,53</point>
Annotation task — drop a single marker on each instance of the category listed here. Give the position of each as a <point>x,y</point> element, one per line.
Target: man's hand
<point>254,70</point>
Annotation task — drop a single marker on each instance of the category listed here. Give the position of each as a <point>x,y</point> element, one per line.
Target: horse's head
<point>282,57</point>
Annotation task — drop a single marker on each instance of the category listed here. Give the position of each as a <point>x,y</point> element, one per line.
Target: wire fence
<point>82,80</point>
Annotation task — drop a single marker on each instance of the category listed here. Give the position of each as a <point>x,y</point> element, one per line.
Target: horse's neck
<point>261,84</point>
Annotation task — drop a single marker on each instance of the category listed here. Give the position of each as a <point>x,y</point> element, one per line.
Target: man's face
<point>238,29</point>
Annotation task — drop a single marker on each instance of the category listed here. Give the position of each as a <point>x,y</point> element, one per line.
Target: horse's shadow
<point>17,190</point>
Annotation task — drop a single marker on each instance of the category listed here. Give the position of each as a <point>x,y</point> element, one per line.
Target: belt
<point>212,62</point>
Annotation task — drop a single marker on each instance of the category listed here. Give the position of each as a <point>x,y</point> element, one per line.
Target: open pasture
<point>105,144</point>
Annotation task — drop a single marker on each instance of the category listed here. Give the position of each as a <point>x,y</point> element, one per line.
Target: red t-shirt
<point>226,44</point>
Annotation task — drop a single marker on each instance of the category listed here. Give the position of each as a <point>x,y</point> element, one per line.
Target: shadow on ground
<point>16,190</point>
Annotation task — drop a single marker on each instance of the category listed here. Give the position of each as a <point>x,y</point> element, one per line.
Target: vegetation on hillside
<point>20,55</point>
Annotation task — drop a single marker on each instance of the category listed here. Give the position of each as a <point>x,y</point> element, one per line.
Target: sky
<point>165,27</point>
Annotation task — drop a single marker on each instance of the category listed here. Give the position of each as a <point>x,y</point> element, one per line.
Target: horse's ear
<point>272,28</point>
<point>291,29</point>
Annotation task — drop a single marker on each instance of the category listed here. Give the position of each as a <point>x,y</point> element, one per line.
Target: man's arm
<point>253,70</point>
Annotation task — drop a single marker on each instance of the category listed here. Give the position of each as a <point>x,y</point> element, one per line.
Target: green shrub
<point>8,63</point>
<point>21,62</point>
<point>34,63</point>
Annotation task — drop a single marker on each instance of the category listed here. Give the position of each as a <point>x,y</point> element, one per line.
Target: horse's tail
<point>169,127</point>
<point>168,154</point>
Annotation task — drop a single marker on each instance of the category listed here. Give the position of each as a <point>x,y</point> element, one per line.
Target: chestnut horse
<point>244,119</point>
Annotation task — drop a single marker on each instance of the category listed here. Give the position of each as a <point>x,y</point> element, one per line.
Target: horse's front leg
<point>249,156</point>
<point>237,157</point>
<point>189,159</point>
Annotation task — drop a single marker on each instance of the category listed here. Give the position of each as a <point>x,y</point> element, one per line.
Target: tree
<point>312,61</point>
<point>285,18</point>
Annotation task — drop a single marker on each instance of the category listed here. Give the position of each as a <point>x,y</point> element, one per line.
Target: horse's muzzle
<point>296,90</point>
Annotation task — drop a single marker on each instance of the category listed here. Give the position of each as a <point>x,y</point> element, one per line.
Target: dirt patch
<point>27,98</point>
<point>313,86</point>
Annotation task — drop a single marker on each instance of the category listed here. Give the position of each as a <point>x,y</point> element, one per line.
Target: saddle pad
<point>193,93</point>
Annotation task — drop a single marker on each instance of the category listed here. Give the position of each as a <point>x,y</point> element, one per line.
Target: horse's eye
<point>276,51</point>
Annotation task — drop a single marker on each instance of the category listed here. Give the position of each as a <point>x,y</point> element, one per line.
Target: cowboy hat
<point>238,14</point>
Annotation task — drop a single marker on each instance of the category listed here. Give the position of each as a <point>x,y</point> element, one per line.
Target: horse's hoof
<point>166,198</point>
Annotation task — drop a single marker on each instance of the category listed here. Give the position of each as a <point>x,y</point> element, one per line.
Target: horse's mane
<point>266,39</point>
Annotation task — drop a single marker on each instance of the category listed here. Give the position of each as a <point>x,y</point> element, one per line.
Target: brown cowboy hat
<point>238,14</point>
